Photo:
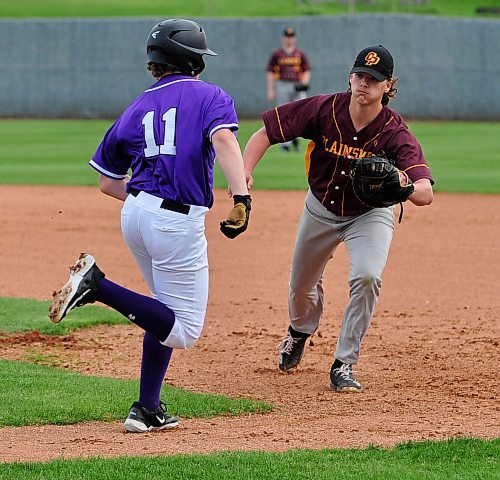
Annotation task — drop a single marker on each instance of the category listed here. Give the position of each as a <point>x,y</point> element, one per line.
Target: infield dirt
<point>429,363</point>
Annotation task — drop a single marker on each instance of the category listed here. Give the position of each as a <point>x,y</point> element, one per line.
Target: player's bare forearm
<point>305,77</point>
<point>254,151</point>
<point>114,188</point>
<point>423,194</point>
<point>228,153</point>
<point>270,86</point>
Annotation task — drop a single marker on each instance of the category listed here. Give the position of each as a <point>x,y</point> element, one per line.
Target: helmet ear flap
<point>197,67</point>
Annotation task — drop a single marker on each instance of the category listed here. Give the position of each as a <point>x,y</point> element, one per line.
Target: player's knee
<point>182,342</point>
<point>366,281</point>
<point>185,333</point>
<point>191,337</point>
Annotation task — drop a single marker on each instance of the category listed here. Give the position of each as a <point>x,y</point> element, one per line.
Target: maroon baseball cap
<point>376,61</point>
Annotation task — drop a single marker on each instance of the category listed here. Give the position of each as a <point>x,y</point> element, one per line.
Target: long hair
<point>159,70</point>
<point>391,93</point>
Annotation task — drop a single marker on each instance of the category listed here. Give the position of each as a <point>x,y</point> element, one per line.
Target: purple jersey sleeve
<point>220,114</point>
<point>109,159</point>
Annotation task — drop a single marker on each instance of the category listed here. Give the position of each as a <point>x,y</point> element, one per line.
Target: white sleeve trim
<point>230,126</point>
<point>104,171</point>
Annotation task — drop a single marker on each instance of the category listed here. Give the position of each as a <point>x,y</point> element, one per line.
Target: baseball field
<point>429,364</point>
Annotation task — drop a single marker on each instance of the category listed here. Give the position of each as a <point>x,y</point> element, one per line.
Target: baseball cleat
<point>342,379</point>
<point>142,420</point>
<point>79,290</point>
<point>292,349</point>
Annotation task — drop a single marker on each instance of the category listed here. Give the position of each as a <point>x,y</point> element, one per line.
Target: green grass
<point>25,315</point>
<point>464,156</point>
<point>38,394</point>
<point>461,459</point>
<point>226,8</point>
<point>49,152</point>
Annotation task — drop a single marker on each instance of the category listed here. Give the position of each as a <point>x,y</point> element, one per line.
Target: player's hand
<point>249,180</point>
<point>237,220</point>
<point>403,178</point>
<point>271,96</point>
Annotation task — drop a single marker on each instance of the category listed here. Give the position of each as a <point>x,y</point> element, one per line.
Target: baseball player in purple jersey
<point>168,138</point>
<point>288,75</point>
<point>341,127</point>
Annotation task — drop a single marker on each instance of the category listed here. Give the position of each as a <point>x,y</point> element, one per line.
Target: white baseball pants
<point>171,250</point>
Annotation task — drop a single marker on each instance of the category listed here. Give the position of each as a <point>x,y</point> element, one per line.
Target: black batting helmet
<point>180,43</point>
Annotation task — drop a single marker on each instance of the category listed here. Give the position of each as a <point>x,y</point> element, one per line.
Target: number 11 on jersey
<point>168,146</point>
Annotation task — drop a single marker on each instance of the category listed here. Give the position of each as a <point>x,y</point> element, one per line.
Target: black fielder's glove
<point>237,220</point>
<point>377,182</point>
<point>301,87</point>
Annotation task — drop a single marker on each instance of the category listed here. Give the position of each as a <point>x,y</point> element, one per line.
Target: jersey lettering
<point>168,146</point>
<point>343,150</point>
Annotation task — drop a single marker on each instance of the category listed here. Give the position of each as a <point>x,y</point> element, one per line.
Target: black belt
<point>167,204</point>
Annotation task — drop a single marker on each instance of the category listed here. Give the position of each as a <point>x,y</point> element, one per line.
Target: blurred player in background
<point>288,76</point>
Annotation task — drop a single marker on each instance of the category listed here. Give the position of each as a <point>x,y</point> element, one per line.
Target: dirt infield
<point>429,363</point>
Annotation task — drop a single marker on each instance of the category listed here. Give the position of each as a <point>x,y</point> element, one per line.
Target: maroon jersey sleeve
<point>306,66</point>
<point>292,120</point>
<point>272,63</point>
<point>408,154</point>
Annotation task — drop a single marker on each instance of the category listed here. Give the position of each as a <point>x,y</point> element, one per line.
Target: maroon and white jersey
<point>288,67</point>
<point>325,120</point>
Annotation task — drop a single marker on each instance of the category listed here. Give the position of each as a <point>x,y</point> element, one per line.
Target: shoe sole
<point>289,369</point>
<point>134,426</point>
<point>64,300</point>
<point>345,389</point>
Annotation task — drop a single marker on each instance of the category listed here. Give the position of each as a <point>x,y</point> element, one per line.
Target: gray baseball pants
<point>367,237</point>
<point>285,93</point>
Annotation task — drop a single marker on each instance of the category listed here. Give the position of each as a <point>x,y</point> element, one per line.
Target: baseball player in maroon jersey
<point>288,75</point>
<point>341,127</point>
<point>168,138</point>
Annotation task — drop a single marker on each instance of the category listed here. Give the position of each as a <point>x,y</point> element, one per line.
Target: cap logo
<point>372,59</point>
<point>155,34</point>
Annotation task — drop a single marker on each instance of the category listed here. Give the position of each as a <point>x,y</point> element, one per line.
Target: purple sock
<point>151,315</point>
<point>155,360</point>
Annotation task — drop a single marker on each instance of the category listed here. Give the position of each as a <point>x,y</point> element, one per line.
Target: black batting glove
<point>237,220</point>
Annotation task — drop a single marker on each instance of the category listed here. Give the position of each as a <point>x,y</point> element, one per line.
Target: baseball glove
<point>301,87</point>
<point>237,220</point>
<point>377,182</point>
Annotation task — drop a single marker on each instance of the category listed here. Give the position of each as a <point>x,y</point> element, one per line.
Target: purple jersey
<point>164,137</point>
